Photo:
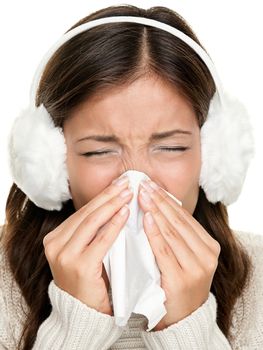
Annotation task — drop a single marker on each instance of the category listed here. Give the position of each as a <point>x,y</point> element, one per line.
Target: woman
<point>131,83</point>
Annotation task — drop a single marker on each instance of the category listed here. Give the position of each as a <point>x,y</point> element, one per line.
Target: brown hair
<point>78,69</point>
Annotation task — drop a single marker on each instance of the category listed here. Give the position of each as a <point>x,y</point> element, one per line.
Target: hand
<point>187,256</point>
<point>76,248</point>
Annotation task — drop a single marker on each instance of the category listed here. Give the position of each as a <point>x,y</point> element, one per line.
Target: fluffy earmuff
<point>37,158</point>
<point>227,147</point>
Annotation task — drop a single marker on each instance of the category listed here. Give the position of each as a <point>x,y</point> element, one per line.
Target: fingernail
<point>120,181</point>
<point>125,193</point>
<point>145,196</point>
<point>153,185</point>
<point>124,210</point>
<point>146,186</point>
<point>149,218</point>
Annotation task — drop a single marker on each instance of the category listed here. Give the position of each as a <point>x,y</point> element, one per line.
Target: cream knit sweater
<point>73,325</point>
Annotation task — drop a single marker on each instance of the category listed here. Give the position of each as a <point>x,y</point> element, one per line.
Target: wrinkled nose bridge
<point>136,160</point>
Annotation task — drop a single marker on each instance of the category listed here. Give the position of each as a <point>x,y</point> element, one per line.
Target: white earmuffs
<point>37,149</point>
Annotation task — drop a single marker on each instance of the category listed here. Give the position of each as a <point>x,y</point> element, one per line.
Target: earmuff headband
<point>132,19</point>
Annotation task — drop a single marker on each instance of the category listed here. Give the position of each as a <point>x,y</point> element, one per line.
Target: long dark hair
<point>78,69</point>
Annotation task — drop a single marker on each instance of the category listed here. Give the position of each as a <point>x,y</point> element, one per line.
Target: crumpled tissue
<point>131,267</point>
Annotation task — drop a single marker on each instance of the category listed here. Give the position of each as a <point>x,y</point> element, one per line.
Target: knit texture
<point>73,325</point>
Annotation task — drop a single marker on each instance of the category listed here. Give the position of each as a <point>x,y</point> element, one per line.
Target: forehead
<point>148,104</point>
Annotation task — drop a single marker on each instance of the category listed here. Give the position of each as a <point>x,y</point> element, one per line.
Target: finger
<point>89,227</point>
<point>185,256</point>
<point>166,260</point>
<point>65,230</point>
<point>182,228</point>
<point>176,214</point>
<point>98,248</point>
<point>195,227</point>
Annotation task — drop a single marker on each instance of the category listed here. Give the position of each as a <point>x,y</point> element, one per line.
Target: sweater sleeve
<point>198,331</point>
<point>73,325</point>
<point>246,331</point>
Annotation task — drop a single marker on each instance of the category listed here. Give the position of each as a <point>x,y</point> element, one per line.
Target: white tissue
<point>132,271</point>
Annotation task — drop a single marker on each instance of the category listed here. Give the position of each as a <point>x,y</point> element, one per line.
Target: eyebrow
<point>154,136</point>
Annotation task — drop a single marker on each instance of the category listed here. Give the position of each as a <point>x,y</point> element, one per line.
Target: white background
<point>231,31</point>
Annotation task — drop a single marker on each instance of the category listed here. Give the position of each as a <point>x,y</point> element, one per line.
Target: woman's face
<point>126,122</point>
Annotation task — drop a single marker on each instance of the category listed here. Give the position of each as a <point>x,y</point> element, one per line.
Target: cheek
<point>183,180</point>
<point>86,180</point>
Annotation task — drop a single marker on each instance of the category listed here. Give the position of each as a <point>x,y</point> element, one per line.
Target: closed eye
<point>90,154</point>
<point>163,149</point>
<point>173,149</point>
